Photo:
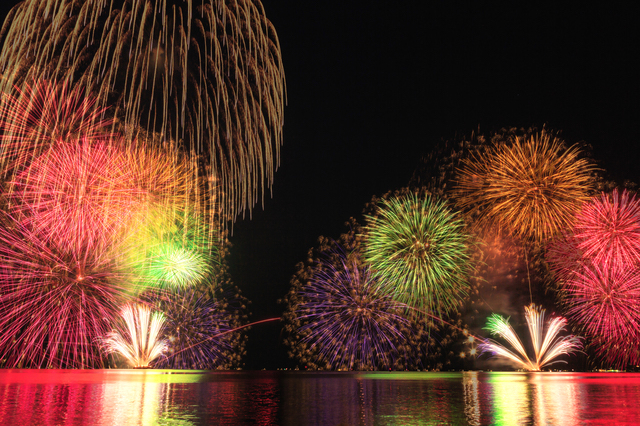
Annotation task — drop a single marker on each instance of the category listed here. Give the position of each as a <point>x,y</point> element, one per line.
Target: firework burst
<point>74,192</point>
<point>138,342</point>
<point>207,73</point>
<point>201,330</point>
<point>73,211</point>
<point>607,230</point>
<point>170,248</point>
<point>531,187</point>
<point>42,113</point>
<point>417,248</point>
<point>605,302</point>
<point>547,345</point>
<point>342,321</point>
<point>55,301</point>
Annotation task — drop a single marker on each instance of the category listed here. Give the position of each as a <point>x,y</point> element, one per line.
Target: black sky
<point>373,86</point>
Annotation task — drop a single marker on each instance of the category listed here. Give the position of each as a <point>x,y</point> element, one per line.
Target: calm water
<point>128,397</point>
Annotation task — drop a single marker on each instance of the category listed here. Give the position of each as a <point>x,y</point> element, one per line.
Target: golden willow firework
<point>530,187</point>
<point>207,75</point>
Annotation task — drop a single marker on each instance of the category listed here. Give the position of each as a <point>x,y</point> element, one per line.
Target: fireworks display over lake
<point>133,136</point>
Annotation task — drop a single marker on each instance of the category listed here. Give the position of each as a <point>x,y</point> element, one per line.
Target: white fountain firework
<point>547,345</point>
<point>138,343</point>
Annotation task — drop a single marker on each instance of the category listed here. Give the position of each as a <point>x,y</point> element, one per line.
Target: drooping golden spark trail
<point>206,76</point>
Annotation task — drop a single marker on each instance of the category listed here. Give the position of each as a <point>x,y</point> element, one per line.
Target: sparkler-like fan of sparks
<point>138,342</point>
<point>547,344</point>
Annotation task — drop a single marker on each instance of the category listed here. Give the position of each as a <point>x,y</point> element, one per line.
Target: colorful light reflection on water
<point>149,397</point>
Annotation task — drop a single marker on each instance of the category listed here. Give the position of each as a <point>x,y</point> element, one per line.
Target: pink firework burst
<point>74,192</point>
<point>55,301</point>
<point>606,302</point>
<point>607,230</point>
<point>606,234</point>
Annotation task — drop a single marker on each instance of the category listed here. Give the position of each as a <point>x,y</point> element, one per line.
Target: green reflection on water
<point>159,376</point>
<point>409,375</point>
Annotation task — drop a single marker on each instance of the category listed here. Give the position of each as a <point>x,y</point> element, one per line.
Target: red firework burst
<point>55,302</point>
<point>75,192</point>
<point>607,230</point>
<point>606,233</point>
<point>605,301</point>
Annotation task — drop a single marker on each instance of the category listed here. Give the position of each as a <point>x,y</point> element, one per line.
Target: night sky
<point>374,86</point>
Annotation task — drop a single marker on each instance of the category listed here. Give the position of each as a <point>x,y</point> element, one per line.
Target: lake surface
<point>149,397</point>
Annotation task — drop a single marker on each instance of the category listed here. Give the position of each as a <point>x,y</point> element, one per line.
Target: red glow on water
<point>100,397</point>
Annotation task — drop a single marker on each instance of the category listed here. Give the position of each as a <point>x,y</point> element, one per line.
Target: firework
<point>342,321</point>
<point>169,248</point>
<point>547,345</point>
<point>206,73</point>
<point>607,230</point>
<point>74,209</point>
<point>605,302</point>
<point>139,341</point>
<point>201,330</point>
<point>75,192</point>
<point>606,234</point>
<point>44,112</point>
<point>417,248</point>
<point>597,263</point>
<point>55,301</point>
<point>531,187</point>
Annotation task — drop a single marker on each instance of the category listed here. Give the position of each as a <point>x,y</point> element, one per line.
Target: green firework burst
<point>172,249</point>
<point>417,247</point>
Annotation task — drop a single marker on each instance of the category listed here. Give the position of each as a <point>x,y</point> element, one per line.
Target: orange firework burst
<point>530,187</point>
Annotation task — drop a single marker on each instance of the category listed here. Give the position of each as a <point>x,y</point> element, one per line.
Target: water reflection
<point>132,397</point>
<point>551,398</point>
<point>372,398</point>
<point>127,397</point>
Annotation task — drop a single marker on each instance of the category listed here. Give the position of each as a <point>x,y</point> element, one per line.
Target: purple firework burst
<point>346,321</point>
